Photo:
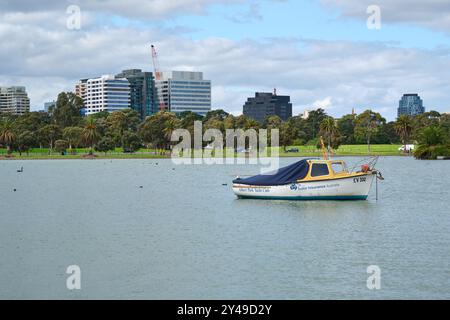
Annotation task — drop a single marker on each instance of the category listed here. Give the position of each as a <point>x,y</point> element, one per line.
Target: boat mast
<point>324,150</point>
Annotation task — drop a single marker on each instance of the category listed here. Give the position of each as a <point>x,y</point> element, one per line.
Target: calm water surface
<point>184,235</point>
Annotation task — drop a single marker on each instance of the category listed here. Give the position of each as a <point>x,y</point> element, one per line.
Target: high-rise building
<point>185,91</point>
<point>411,105</point>
<point>106,93</point>
<point>142,91</point>
<point>80,88</point>
<point>14,100</point>
<point>267,104</point>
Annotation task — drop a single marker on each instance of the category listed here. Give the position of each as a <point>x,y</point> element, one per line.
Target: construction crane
<point>162,105</point>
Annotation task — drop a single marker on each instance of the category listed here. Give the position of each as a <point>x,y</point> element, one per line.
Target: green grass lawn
<point>304,151</point>
<point>347,150</point>
<point>80,153</point>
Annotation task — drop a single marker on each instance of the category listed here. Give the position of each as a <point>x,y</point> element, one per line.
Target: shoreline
<point>153,157</point>
<point>383,150</point>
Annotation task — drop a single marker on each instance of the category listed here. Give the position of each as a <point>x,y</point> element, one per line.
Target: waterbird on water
<point>21,170</point>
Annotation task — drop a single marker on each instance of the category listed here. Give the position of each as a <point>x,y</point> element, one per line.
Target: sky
<point>320,52</point>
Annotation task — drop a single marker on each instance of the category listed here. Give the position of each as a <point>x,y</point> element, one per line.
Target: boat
<point>311,179</point>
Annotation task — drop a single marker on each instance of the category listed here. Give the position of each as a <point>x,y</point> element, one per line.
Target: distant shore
<point>142,157</point>
<point>303,151</point>
<point>83,157</point>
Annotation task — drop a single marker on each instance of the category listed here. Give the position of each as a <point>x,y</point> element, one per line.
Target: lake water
<point>184,235</point>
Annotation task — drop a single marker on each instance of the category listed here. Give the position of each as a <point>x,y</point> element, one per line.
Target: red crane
<point>162,105</point>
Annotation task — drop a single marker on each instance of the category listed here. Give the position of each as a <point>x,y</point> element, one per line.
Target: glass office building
<point>185,91</point>
<point>142,91</point>
<point>411,104</point>
<point>268,104</point>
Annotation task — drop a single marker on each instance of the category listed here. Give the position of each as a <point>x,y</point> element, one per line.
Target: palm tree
<point>404,128</point>
<point>330,130</point>
<point>432,143</point>
<point>432,136</point>
<point>90,134</point>
<point>7,135</point>
<point>171,125</point>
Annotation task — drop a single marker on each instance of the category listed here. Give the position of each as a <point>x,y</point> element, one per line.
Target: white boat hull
<point>350,188</point>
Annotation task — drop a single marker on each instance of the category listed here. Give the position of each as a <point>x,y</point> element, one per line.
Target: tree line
<point>63,129</point>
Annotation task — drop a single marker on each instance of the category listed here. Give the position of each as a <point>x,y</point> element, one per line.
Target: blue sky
<point>318,51</point>
<point>290,19</point>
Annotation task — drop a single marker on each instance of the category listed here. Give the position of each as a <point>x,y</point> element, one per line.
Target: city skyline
<point>175,91</point>
<point>406,105</point>
<point>309,55</point>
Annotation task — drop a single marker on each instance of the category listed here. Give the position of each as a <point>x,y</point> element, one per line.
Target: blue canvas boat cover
<point>282,176</point>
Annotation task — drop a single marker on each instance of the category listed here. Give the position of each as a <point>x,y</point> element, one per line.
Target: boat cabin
<point>327,169</point>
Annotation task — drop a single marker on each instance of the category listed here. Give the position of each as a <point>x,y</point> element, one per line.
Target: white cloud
<point>433,14</point>
<point>48,58</point>
<point>142,9</point>
<point>323,103</point>
<point>251,15</point>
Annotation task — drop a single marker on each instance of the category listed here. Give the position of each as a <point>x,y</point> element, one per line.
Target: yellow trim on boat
<point>332,174</point>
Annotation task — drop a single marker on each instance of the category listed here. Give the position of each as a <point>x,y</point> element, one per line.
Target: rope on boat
<point>371,161</point>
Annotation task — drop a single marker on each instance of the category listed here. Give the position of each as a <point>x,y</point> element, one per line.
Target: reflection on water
<point>138,229</point>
